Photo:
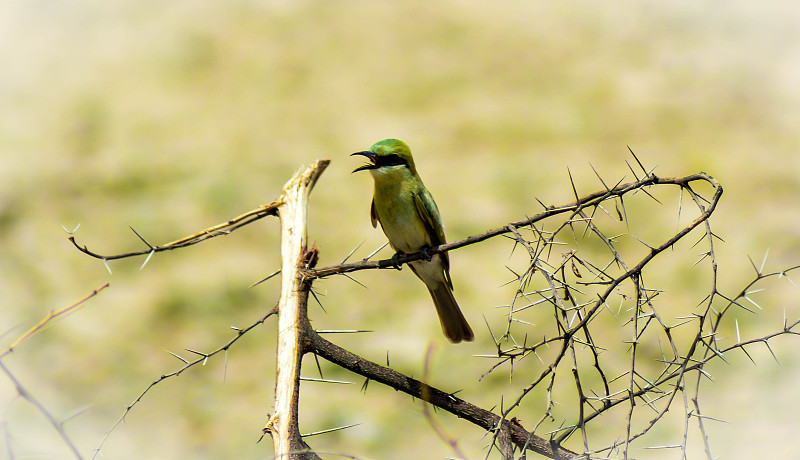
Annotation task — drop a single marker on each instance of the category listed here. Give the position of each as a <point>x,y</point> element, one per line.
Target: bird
<point>411,222</point>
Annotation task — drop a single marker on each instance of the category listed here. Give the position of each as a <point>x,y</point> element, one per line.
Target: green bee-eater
<point>411,221</point>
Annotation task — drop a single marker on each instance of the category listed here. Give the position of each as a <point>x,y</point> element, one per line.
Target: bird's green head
<point>388,153</point>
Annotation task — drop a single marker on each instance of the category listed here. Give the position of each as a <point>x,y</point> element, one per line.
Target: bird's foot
<point>395,261</point>
<point>425,254</point>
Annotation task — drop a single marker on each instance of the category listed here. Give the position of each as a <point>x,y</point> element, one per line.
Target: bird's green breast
<point>397,211</point>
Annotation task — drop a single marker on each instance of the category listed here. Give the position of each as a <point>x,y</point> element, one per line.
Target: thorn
<point>353,251</point>
<point>376,251</point>
<point>772,352</point>
<point>680,208</point>
<point>177,356</point>
<point>225,368</point>
<point>496,343</point>
<point>265,279</point>
<point>314,295</point>
<point>513,248</point>
<point>73,230</point>
<point>312,379</point>
<point>354,280</point>
<point>754,265</point>
<point>750,357</point>
<point>108,267</point>
<point>205,356</point>
<point>342,331</point>
<point>141,238</point>
<point>699,240</point>
<point>329,430</point>
<point>632,171</point>
<point>574,190</point>
<point>651,196</point>
<point>637,160</point>
<point>702,258</point>
<point>149,255</point>
<point>319,367</point>
<point>754,303</point>
<point>598,176</point>
<point>71,416</point>
<point>647,245</point>
<point>717,236</point>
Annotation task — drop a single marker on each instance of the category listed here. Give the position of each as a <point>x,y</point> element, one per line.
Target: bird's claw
<point>425,254</point>
<point>395,261</point>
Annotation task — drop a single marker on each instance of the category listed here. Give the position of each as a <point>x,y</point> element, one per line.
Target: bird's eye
<point>392,160</point>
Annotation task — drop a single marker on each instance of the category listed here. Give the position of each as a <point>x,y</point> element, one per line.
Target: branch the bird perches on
<point>568,337</point>
<point>296,337</point>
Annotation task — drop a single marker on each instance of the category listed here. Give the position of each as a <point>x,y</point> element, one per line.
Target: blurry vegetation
<point>174,117</point>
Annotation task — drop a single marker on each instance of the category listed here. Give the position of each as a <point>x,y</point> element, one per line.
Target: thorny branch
<point>22,391</point>
<point>449,402</point>
<point>222,229</point>
<point>593,199</point>
<point>52,316</point>
<point>201,359</point>
<point>576,302</point>
<point>58,426</point>
<point>577,291</point>
<point>588,201</point>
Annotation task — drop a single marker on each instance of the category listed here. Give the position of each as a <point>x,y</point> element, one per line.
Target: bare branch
<point>52,316</point>
<point>188,364</point>
<point>225,228</point>
<point>586,201</point>
<point>480,417</point>
<point>58,426</point>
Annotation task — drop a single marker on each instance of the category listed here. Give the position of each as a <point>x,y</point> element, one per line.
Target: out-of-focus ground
<point>171,117</point>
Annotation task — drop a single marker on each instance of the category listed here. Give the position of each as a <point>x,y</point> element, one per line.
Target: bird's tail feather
<point>454,325</point>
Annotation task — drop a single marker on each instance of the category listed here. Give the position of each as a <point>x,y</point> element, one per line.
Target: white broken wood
<point>292,210</point>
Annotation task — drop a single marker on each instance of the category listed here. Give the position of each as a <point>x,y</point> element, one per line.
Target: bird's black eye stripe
<point>390,160</point>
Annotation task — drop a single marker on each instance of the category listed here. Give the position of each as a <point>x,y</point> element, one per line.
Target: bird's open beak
<point>370,156</point>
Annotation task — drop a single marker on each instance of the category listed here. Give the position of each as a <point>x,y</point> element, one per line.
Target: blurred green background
<point>171,117</point>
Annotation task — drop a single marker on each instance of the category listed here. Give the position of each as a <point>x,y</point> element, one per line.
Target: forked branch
<point>574,208</point>
<point>572,318</point>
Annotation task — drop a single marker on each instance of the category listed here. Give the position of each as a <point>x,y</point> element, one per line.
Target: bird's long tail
<point>454,325</point>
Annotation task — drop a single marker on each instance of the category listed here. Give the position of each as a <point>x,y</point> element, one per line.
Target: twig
<point>58,426</point>
<point>187,364</point>
<point>439,398</point>
<point>52,316</point>
<point>225,228</point>
<point>586,201</point>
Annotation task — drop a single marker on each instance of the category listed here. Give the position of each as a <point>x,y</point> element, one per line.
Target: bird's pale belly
<point>405,231</point>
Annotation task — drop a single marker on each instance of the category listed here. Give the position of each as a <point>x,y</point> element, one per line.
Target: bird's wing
<point>429,213</point>
<point>373,216</point>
